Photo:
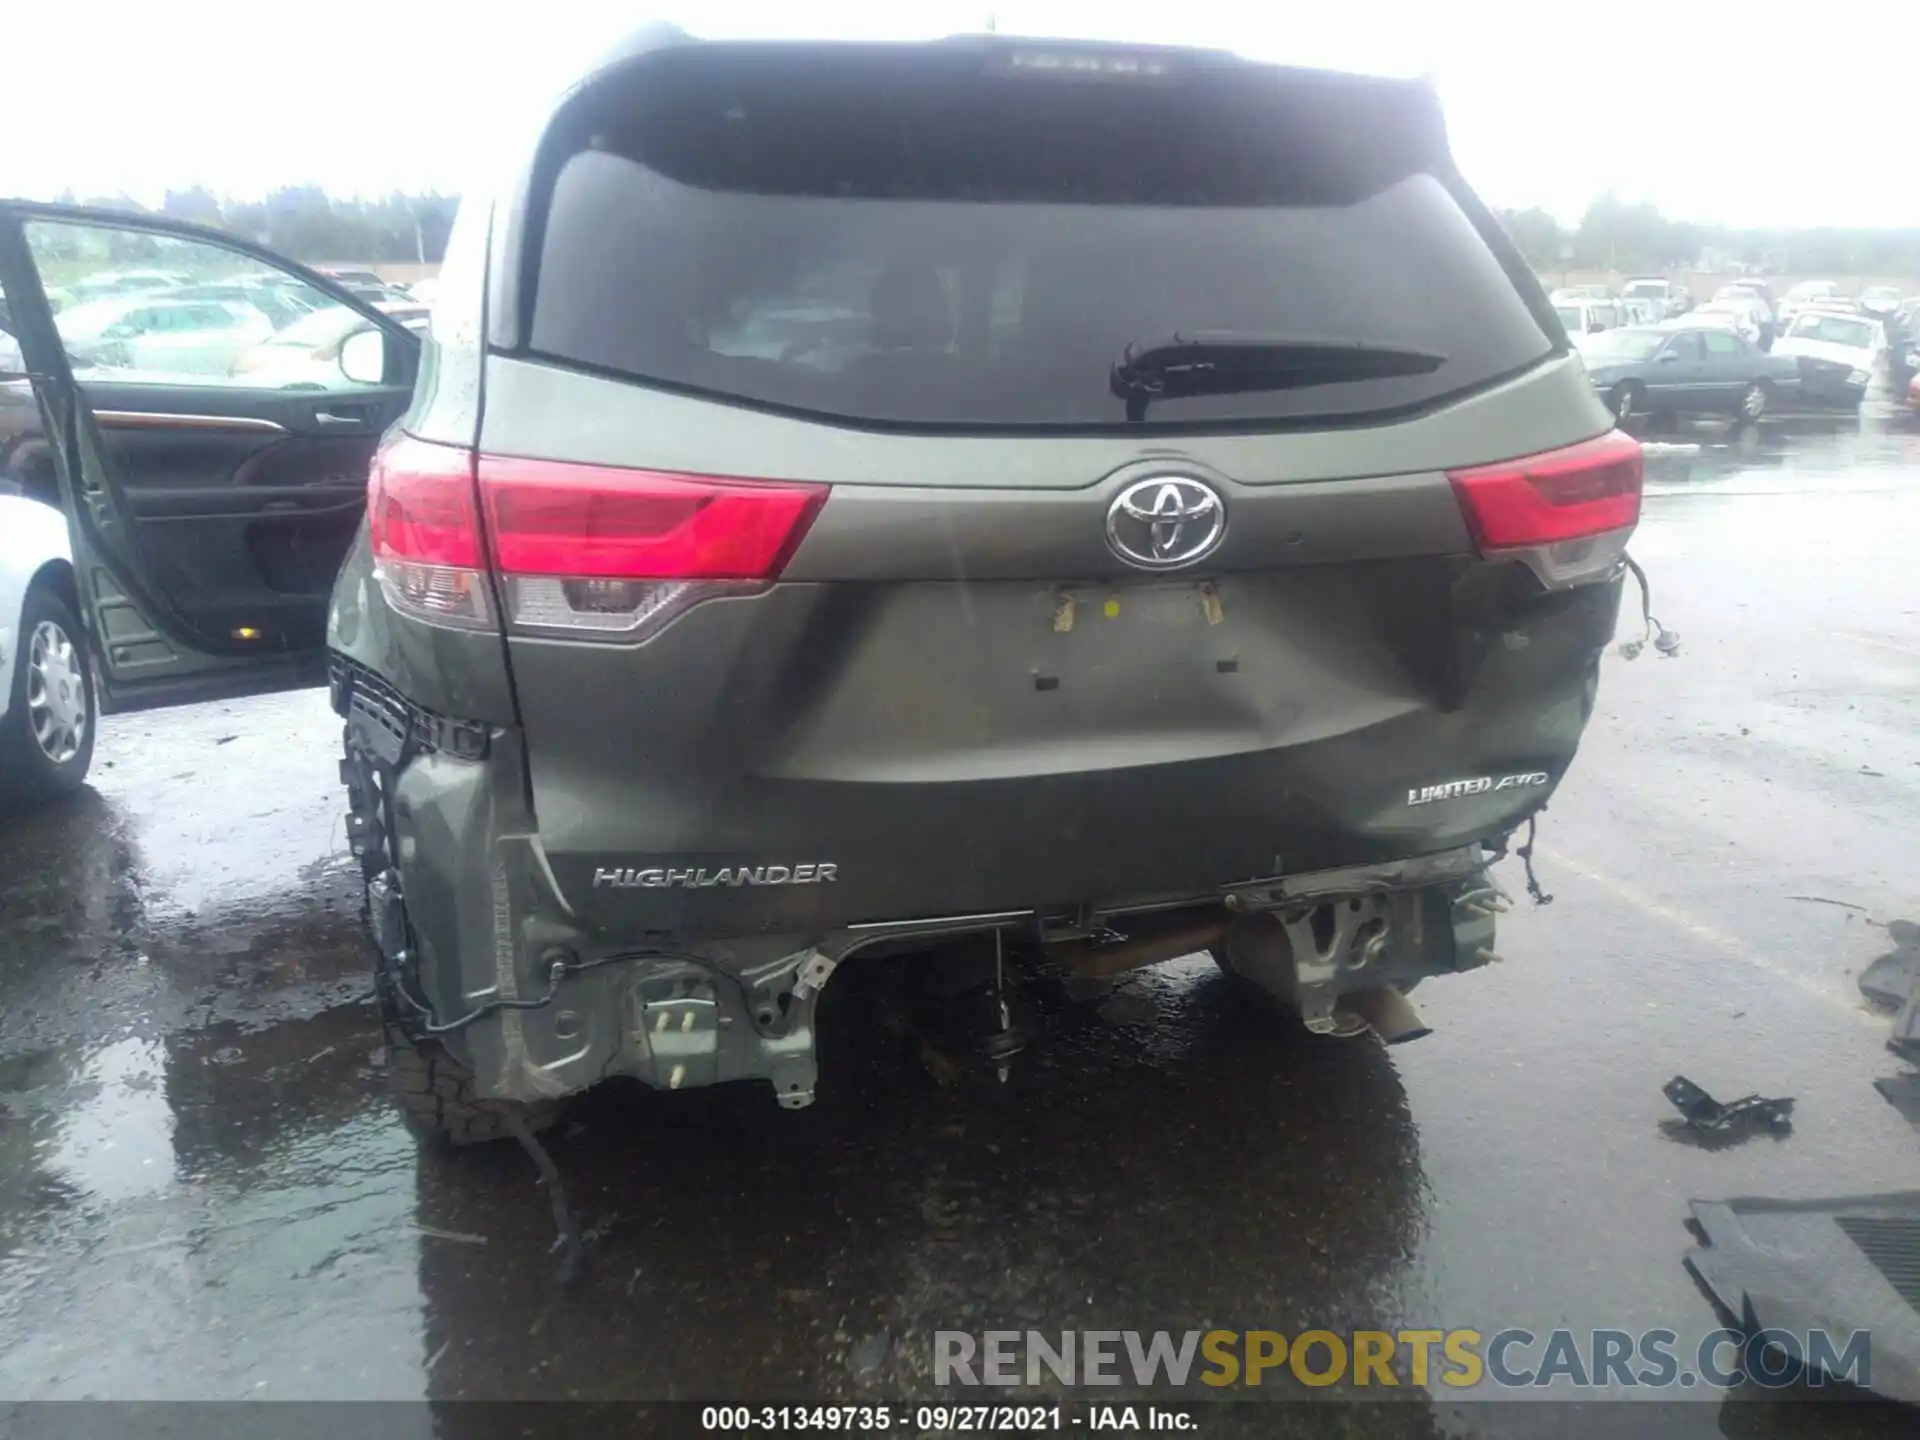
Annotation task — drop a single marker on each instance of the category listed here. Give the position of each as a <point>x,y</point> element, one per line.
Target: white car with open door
<point>46,689</point>
<point>1839,353</point>
<point>205,515</point>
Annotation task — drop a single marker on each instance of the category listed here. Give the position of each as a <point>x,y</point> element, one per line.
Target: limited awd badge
<point>1478,785</point>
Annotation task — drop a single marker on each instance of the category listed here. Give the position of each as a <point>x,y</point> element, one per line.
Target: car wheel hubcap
<point>56,693</point>
<point>1755,402</point>
<point>1626,403</point>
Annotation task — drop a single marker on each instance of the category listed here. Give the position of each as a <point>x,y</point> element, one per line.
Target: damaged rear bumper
<point>479,938</point>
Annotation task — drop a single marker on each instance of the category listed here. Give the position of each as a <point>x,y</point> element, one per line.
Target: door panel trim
<point>162,420</point>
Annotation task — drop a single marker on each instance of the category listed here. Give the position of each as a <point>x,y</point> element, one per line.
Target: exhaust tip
<point>1387,1012</point>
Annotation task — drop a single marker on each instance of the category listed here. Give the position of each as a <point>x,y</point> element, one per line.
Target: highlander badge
<point>669,878</point>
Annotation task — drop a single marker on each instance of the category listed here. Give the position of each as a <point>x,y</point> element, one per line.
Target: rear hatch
<point>981,476</point>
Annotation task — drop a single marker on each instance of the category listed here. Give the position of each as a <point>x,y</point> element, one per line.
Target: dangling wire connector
<point>1525,852</point>
<point>1666,641</point>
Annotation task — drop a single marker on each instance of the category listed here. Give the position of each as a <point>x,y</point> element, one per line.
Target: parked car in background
<point>1635,311</point>
<point>306,354</point>
<point>1587,317</point>
<point>1670,298</point>
<point>1751,286</point>
<point>121,282</point>
<point>1881,300</point>
<point>1913,393</point>
<point>280,304</point>
<point>1903,345</point>
<point>11,361</point>
<point>368,285</point>
<point>1581,292</point>
<point>1682,368</point>
<point>1745,315</point>
<point>158,333</point>
<point>1806,293</point>
<point>1737,291</point>
<point>1837,354</point>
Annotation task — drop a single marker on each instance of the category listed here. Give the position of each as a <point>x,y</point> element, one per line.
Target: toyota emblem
<point>1166,521</point>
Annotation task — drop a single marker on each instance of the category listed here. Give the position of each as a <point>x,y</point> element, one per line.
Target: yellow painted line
<point>1715,937</point>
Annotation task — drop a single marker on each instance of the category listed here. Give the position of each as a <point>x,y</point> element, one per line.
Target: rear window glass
<point>942,240</point>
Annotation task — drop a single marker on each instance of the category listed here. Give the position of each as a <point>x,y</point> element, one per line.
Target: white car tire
<point>46,735</point>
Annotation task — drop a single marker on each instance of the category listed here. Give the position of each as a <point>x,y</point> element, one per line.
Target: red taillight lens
<point>420,504</point>
<point>424,532</point>
<point>589,522</point>
<point>1584,490</point>
<point>580,550</point>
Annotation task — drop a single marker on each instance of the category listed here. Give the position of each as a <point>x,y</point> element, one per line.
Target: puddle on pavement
<point>1876,451</point>
<point>117,1141</point>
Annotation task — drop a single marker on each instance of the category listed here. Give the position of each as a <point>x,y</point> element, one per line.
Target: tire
<point>1626,400</point>
<point>1754,402</point>
<point>46,736</point>
<point>435,1093</point>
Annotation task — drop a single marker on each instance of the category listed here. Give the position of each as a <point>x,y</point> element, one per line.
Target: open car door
<point>206,414</point>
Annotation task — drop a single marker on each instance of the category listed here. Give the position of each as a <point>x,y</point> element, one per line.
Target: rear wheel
<point>1626,400</point>
<point>436,1095</point>
<point>46,736</point>
<point>1754,401</point>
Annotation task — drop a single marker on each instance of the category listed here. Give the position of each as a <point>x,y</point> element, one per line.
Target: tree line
<point>305,223</point>
<point>1615,235</point>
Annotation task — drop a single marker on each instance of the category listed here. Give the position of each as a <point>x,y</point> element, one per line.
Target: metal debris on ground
<point>1903,1093</point>
<point>458,1237</point>
<point>1525,852</point>
<point>567,1241</point>
<point>1822,899</point>
<point>1840,1267</point>
<point>1893,981</point>
<point>1890,978</point>
<point>1703,1112</point>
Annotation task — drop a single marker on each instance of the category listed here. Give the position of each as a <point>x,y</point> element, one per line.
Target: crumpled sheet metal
<point>1893,980</point>
<point>1835,1265</point>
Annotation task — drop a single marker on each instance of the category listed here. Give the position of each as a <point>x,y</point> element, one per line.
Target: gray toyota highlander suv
<point>1085,503</point>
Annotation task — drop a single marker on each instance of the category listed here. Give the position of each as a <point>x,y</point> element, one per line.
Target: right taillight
<point>1568,512</point>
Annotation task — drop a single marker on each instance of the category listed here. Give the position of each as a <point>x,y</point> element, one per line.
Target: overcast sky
<point>1698,107</point>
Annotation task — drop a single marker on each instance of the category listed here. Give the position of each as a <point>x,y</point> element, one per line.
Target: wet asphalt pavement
<point>203,1194</point>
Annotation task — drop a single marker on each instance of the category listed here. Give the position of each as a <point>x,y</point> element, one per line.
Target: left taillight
<point>590,549</point>
<point>580,550</point>
<point>425,533</point>
<point>1568,512</point>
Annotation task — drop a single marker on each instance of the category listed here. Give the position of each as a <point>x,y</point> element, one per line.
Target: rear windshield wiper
<point>1225,362</point>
